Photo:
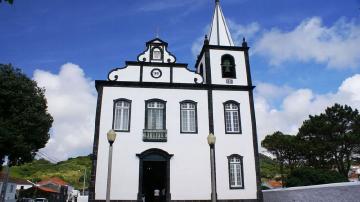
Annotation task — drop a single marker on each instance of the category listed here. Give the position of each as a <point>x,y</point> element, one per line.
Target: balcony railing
<point>154,135</point>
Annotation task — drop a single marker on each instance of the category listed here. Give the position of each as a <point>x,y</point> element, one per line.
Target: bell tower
<point>220,60</point>
<point>225,66</point>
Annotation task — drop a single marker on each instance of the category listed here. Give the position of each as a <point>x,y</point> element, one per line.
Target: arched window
<point>155,114</point>
<point>236,173</point>
<point>121,121</point>
<point>156,54</point>
<point>188,117</point>
<point>228,66</point>
<point>232,117</point>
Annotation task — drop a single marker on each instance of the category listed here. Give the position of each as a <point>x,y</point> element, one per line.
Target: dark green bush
<point>311,176</point>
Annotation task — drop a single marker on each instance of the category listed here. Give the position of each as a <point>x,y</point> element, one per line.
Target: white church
<point>162,113</point>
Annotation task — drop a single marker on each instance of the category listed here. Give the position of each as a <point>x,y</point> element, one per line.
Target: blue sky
<point>304,52</point>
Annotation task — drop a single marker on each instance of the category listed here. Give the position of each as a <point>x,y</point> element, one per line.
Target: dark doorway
<point>154,174</point>
<point>154,179</point>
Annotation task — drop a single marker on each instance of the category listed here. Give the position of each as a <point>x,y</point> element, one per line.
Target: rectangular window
<point>232,118</point>
<point>235,172</point>
<point>122,115</point>
<point>155,116</point>
<point>188,117</point>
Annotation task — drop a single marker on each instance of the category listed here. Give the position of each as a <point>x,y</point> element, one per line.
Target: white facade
<point>182,159</point>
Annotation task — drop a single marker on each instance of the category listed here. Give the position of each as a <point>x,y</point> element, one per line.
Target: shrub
<point>311,176</point>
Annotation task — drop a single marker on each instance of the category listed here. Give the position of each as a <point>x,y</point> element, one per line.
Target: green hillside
<point>71,170</point>
<point>268,167</point>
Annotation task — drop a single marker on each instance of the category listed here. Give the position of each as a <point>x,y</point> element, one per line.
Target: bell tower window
<point>156,54</point>
<point>228,66</point>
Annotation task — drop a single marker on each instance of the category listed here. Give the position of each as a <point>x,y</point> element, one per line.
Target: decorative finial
<point>206,40</point>
<point>217,1</point>
<point>244,43</point>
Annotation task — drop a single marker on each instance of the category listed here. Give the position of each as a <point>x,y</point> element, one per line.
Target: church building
<point>162,113</point>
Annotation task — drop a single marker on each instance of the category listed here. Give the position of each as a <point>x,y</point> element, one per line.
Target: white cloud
<point>71,101</point>
<point>336,46</point>
<point>239,31</point>
<point>298,104</point>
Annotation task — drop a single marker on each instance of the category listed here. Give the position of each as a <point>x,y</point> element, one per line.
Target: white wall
<point>190,165</point>
<point>215,61</point>
<point>227,144</point>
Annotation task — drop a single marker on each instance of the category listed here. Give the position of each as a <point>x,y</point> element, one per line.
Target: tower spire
<point>219,32</point>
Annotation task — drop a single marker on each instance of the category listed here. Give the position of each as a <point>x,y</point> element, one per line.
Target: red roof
<point>53,180</point>
<point>47,189</point>
<point>274,183</point>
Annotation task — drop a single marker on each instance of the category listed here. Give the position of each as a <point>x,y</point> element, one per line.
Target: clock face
<point>156,73</point>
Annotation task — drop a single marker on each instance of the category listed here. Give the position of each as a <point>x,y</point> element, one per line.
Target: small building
<point>54,189</point>
<point>162,112</point>
<point>22,184</point>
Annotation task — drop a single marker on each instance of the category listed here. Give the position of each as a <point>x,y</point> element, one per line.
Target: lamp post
<point>111,136</point>
<point>211,141</point>
<point>84,176</point>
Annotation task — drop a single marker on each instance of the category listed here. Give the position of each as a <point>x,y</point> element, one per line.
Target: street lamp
<point>211,141</point>
<point>111,136</point>
<point>84,176</point>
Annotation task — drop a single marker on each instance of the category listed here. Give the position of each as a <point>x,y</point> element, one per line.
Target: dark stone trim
<point>215,47</point>
<point>157,39</point>
<point>171,74</point>
<point>217,24</point>
<point>254,131</point>
<point>207,67</point>
<point>242,170</point>
<point>152,73</point>
<point>102,83</point>
<point>146,111</point>
<point>129,122</point>
<point>154,64</point>
<point>196,121</point>
<point>238,105</point>
<point>165,157</point>
<point>141,73</point>
<point>95,144</point>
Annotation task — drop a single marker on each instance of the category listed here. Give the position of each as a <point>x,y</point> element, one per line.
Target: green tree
<point>284,148</point>
<point>24,120</point>
<point>333,138</point>
<point>312,176</point>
